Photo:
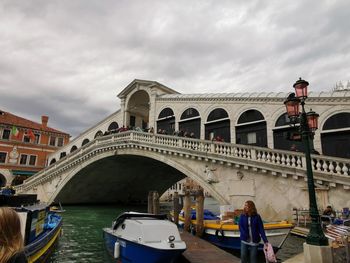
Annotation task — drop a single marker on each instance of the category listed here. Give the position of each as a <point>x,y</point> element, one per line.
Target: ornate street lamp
<point>308,124</point>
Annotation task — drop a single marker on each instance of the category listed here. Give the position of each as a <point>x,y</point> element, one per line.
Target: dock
<point>300,231</point>
<point>201,251</point>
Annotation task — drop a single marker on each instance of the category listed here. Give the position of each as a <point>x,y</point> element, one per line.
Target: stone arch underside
<point>122,178</point>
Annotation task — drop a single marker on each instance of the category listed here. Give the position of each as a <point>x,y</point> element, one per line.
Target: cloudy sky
<point>69,59</point>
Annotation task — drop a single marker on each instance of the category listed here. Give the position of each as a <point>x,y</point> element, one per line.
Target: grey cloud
<point>71,58</point>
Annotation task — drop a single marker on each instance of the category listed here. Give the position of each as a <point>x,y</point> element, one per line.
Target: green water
<point>82,233</point>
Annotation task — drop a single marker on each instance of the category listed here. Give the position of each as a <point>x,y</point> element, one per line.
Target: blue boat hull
<point>40,249</point>
<point>131,252</point>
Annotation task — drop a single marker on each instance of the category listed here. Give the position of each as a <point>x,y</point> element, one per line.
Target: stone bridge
<point>123,167</point>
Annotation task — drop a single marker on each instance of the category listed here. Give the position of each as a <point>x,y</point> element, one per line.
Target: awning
<point>26,173</point>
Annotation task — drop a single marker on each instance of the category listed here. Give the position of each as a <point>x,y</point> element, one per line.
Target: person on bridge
<point>11,240</point>
<point>252,231</point>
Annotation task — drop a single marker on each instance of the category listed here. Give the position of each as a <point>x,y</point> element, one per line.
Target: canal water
<point>82,234</point>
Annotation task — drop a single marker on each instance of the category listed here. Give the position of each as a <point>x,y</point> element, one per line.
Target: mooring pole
<point>155,202</point>
<point>150,202</point>
<point>176,208</point>
<point>187,210</point>
<point>199,212</point>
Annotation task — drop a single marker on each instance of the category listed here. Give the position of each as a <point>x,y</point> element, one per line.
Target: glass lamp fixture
<point>300,87</point>
<point>292,107</point>
<point>312,120</point>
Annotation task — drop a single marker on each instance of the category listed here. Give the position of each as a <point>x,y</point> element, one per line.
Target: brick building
<point>24,146</point>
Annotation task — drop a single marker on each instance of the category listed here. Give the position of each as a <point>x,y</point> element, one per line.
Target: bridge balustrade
<point>225,152</point>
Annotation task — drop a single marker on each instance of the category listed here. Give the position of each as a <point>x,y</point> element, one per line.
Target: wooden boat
<point>40,228</point>
<point>57,209</point>
<point>147,238</point>
<point>225,233</point>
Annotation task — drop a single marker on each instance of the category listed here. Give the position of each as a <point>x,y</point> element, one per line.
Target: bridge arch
<point>138,106</point>
<point>62,155</point>
<point>74,148</point>
<point>113,126</point>
<point>98,134</point>
<point>173,163</point>
<point>85,141</point>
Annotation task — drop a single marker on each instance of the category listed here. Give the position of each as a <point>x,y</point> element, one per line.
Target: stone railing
<point>330,168</point>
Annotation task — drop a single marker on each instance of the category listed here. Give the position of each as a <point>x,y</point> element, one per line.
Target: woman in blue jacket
<point>252,231</point>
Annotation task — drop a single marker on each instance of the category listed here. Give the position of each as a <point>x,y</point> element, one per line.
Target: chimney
<point>44,120</point>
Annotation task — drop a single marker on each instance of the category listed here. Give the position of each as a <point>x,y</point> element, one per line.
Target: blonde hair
<point>11,240</point>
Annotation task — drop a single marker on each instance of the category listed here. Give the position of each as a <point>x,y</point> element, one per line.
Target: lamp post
<point>308,124</point>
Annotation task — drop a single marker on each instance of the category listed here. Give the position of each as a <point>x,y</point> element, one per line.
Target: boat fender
<point>116,249</point>
<point>219,233</point>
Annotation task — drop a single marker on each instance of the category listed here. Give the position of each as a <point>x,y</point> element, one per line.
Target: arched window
<point>282,120</point>
<point>337,121</point>
<point>74,148</point>
<point>166,113</point>
<point>217,114</point>
<point>335,135</point>
<point>52,161</point>
<point>98,134</point>
<point>85,142</point>
<point>251,129</point>
<point>190,123</point>
<point>189,113</point>
<point>250,116</point>
<point>283,135</point>
<point>218,126</point>
<point>62,154</point>
<point>113,126</point>
<point>166,121</point>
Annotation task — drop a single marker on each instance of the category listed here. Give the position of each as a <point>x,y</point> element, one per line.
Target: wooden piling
<point>199,212</point>
<point>156,206</point>
<point>176,208</point>
<point>150,202</point>
<point>187,210</point>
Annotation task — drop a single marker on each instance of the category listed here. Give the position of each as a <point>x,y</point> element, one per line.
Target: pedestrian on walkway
<point>252,231</point>
<point>11,241</point>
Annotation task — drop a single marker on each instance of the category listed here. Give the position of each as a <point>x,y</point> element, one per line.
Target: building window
<point>32,160</point>
<point>52,141</point>
<point>23,159</point>
<point>251,137</point>
<point>132,121</point>
<point>26,138</point>
<point>59,141</point>
<point>3,157</point>
<point>37,138</point>
<point>27,159</point>
<point>6,134</point>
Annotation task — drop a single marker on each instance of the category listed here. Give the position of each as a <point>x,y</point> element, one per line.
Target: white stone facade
<point>269,104</point>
